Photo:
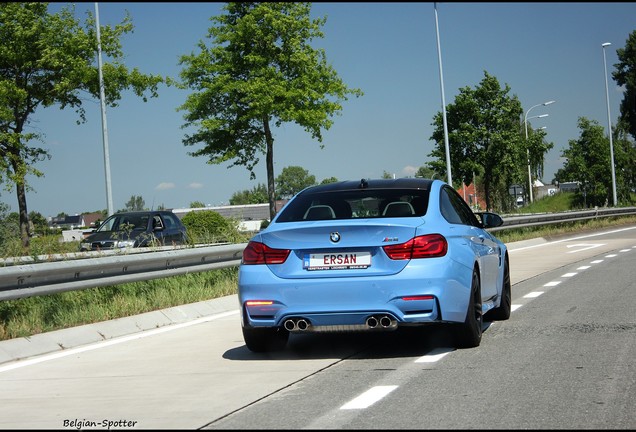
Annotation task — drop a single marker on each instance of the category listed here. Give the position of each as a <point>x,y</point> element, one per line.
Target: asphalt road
<point>564,360</point>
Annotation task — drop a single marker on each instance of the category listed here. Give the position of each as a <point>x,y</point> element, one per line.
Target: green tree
<point>387,175</point>
<point>329,180</point>
<point>135,203</point>
<point>486,141</point>
<point>588,162</point>
<point>258,195</point>
<point>259,72</point>
<point>47,60</point>
<point>38,222</point>
<point>426,172</point>
<point>537,148</point>
<point>625,160</point>
<point>197,204</point>
<point>625,75</point>
<point>292,180</point>
<point>9,226</point>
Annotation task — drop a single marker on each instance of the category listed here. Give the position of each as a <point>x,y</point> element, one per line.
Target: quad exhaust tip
<point>296,324</point>
<point>380,321</point>
<point>373,322</point>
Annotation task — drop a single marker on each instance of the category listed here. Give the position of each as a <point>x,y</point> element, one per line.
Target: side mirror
<point>490,220</point>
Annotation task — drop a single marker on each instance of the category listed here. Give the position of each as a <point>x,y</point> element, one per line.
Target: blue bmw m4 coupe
<point>373,255</point>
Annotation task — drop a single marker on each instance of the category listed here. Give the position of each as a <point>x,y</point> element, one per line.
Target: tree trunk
<point>24,215</point>
<point>487,193</point>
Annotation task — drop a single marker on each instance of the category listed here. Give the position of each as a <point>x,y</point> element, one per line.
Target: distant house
<point>569,186</point>
<point>469,193</point>
<point>545,190</point>
<point>76,221</point>
<point>90,219</point>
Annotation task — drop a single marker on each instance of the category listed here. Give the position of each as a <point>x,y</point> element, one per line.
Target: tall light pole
<point>441,84</point>
<point>109,194</point>
<point>525,122</point>
<point>609,125</point>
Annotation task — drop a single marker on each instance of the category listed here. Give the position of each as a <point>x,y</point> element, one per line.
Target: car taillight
<point>417,298</point>
<point>259,303</point>
<point>259,253</point>
<point>426,246</point>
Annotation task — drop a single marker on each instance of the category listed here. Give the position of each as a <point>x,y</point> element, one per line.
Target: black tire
<point>265,339</point>
<point>502,312</point>
<point>469,333</point>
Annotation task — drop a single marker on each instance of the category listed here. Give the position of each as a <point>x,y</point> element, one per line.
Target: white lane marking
<point>583,246</point>
<point>369,397</point>
<point>610,256</point>
<point>571,239</point>
<point>534,294</point>
<point>114,341</point>
<point>434,355</point>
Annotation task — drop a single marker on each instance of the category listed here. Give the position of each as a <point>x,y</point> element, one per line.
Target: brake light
<point>259,253</point>
<point>426,246</point>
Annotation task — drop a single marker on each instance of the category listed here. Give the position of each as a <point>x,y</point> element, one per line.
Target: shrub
<point>207,226</point>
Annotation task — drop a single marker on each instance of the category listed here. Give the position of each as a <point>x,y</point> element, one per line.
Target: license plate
<point>337,261</point>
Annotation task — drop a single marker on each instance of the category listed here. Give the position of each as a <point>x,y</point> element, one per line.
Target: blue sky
<point>543,51</point>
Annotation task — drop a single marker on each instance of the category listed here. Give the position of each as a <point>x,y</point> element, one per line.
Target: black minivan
<point>137,229</point>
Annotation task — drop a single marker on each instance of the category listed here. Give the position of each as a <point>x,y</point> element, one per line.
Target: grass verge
<point>33,315</point>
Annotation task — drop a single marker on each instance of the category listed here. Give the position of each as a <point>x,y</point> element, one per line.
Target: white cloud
<point>165,186</point>
<point>409,170</point>
<point>195,185</point>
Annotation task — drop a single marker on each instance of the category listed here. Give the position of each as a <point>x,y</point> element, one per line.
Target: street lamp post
<point>525,122</point>
<point>609,123</point>
<point>109,193</point>
<point>449,176</point>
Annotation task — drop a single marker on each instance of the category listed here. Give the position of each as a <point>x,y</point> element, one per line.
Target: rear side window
<point>455,210</point>
<point>356,204</point>
<point>171,221</point>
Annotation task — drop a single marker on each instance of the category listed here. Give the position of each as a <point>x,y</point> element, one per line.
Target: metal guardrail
<point>41,278</point>
<point>28,276</point>
<point>570,216</point>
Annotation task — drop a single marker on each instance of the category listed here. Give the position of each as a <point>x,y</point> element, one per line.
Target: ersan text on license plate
<point>337,261</point>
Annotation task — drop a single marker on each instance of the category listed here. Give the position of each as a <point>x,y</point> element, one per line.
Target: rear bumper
<point>407,298</point>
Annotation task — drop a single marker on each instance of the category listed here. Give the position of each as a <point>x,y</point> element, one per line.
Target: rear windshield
<point>355,204</point>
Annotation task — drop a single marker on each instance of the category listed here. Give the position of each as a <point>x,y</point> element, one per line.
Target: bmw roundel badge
<point>334,237</point>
